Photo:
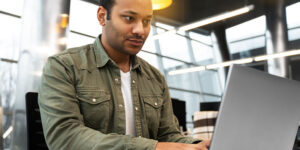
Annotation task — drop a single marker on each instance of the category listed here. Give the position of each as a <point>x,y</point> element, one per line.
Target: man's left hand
<point>205,144</point>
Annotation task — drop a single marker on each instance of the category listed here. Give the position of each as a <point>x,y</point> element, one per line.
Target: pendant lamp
<point>161,4</point>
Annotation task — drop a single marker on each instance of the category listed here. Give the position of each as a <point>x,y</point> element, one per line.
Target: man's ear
<point>101,15</point>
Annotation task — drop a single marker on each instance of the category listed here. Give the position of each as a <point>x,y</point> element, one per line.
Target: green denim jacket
<point>82,107</point>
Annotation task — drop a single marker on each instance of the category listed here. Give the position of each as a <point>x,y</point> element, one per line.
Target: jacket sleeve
<point>169,129</point>
<point>62,121</point>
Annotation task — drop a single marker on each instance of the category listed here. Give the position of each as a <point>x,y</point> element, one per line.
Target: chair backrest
<point>179,112</point>
<point>35,136</point>
<point>209,106</point>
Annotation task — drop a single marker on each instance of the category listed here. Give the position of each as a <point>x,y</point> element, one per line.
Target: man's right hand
<point>180,146</point>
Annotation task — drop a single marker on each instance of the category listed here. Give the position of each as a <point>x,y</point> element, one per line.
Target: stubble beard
<point>119,43</point>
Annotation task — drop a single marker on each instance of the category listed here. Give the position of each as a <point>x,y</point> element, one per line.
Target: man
<point>102,96</point>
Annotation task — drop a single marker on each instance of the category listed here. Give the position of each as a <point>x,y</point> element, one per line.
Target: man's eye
<point>128,18</point>
<point>146,22</point>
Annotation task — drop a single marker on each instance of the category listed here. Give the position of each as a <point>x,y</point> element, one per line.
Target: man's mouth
<point>136,42</point>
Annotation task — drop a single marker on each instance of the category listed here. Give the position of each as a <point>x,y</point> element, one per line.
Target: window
<point>9,52</point>
<point>83,18</point>
<point>12,6</point>
<point>245,38</point>
<point>293,21</point>
<point>10,34</point>
<point>174,46</point>
<point>202,52</point>
<point>150,58</point>
<point>75,40</point>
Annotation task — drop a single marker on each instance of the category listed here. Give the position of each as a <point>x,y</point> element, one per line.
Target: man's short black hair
<point>107,4</point>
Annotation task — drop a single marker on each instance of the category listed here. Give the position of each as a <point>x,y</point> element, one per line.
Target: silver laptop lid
<point>258,111</point>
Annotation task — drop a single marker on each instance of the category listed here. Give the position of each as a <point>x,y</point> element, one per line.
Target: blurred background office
<point>191,42</point>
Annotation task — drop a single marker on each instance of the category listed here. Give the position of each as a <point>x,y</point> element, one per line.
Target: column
<point>276,36</point>
<point>220,38</point>
<point>44,27</point>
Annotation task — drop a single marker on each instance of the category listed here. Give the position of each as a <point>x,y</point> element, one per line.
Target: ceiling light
<point>181,71</point>
<point>64,20</point>
<point>206,21</point>
<point>240,61</point>
<point>228,63</point>
<point>217,18</point>
<point>278,55</point>
<point>160,4</point>
<point>7,132</point>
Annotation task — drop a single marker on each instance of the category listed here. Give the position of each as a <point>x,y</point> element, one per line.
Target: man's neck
<point>122,60</point>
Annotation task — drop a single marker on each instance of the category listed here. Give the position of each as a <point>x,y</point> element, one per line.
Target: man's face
<point>129,25</point>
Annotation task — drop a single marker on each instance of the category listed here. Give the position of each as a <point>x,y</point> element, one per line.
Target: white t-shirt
<point>126,91</point>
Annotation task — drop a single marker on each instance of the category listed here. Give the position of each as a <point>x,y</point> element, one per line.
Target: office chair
<point>35,136</point>
<point>204,121</point>
<point>180,112</point>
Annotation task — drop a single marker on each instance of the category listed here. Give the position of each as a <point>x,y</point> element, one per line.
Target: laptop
<point>258,111</point>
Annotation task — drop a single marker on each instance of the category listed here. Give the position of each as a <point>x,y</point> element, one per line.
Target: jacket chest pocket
<point>95,108</point>
<point>153,105</point>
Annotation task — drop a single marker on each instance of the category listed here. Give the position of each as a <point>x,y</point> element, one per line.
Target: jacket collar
<point>101,56</point>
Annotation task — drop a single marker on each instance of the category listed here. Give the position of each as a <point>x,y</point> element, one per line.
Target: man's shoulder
<point>75,56</point>
<point>74,51</point>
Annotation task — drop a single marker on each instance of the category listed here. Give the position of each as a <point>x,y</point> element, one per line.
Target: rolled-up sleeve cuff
<point>193,141</point>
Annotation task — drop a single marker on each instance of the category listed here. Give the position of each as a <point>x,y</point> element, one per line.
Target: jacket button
<point>133,81</point>
<point>120,105</point>
<point>136,108</point>
<point>94,100</point>
<point>155,104</point>
<point>116,79</point>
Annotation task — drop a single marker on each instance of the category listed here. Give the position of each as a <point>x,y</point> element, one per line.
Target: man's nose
<point>138,28</point>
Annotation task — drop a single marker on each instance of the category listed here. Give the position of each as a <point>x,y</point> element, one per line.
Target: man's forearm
<point>180,146</point>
